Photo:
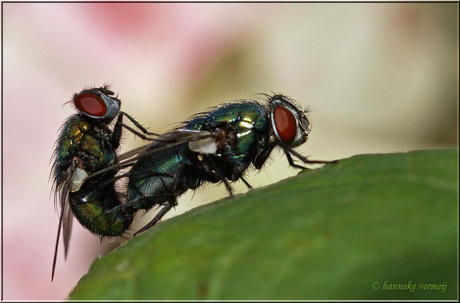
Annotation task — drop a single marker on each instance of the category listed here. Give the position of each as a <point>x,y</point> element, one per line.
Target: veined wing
<point>65,217</point>
<point>166,141</point>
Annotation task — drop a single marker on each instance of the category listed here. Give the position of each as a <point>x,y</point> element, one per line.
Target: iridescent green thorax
<point>85,140</point>
<point>247,129</point>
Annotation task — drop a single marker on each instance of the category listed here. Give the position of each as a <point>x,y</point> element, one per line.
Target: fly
<point>85,145</point>
<point>214,146</point>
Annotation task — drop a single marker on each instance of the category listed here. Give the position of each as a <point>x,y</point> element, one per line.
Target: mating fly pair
<point>213,146</point>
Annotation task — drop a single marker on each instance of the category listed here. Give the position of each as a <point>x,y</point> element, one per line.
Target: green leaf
<point>331,233</point>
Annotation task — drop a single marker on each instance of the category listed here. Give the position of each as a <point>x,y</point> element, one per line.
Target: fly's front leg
<point>263,155</point>
<point>118,129</point>
<point>219,175</point>
<point>138,125</point>
<point>291,162</point>
<point>288,151</point>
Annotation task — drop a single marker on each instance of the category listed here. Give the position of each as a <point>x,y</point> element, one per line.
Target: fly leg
<point>138,125</point>
<point>194,177</point>
<point>246,183</point>
<point>263,155</point>
<point>228,186</point>
<point>119,125</point>
<point>171,202</point>
<point>288,151</point>
<point>220,175</point>
<point>291,162</point>
<point>157,218</point>
<point>212,174</point>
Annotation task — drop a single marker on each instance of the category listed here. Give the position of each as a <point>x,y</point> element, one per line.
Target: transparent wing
<point>168,140</point>
<point>65,216</point>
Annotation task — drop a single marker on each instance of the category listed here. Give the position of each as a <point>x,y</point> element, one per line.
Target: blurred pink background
<point>377,78</point>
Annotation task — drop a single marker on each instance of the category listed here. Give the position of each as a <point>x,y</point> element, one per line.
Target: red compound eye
<point>285,124</point>
<point>91,104</point>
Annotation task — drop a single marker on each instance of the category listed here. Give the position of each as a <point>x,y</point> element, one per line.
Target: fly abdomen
<point>146,188</point>
<point>89,206</point>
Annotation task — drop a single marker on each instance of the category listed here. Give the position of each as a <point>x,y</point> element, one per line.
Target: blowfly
<point>86,145</point>
<point>213,146</point>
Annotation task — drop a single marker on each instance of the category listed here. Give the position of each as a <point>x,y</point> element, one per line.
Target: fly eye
<point>304,124</point>
<point>285,124</point>
<point>91,104</point>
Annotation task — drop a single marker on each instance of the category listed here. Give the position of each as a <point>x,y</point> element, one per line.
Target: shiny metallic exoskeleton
<point>86,144</point>
<point>214,146</point>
